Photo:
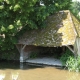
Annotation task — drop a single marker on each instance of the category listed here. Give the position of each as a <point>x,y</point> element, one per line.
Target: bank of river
<point>31,72</point>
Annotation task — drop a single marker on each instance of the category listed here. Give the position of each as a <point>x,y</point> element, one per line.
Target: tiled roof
<point>60,30</point>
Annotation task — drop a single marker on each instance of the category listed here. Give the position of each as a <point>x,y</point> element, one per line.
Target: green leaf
<point>16,7</point>
<point>3,28</point>
<point>19,23</point>
<point>56,4</point>
<point>1,7</point>
<point>7,1</point>
<point>10,27</point>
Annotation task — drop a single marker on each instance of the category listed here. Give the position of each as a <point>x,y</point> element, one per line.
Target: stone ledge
<point>45,61</point>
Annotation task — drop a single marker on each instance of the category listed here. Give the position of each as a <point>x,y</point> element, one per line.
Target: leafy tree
<point>19,15</point>
<point>75,8</point>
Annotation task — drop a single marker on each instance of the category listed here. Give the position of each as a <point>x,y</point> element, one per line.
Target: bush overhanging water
<point>71,62</point>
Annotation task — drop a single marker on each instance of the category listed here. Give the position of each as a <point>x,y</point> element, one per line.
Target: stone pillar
<point>21,65</point>
<point>77,46</point>
<point>24,54</point>
<point>21,56</point>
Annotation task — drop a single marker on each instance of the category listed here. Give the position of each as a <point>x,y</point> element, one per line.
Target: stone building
<point>62,29</point>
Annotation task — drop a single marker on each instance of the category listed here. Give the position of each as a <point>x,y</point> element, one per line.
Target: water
<point>12,71</point>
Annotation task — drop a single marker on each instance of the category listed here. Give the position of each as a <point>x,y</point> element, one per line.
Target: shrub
<point>34,54</point>
<point>72,63</point>
<point>65,56</point>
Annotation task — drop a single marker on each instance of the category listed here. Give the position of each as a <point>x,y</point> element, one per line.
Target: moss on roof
<point>76,25</point>
<point>59,31</point>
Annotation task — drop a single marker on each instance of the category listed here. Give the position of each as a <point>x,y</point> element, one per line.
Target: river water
<point>10,70</point>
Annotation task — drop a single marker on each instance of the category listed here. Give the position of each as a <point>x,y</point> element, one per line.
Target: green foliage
<point>65,56</point>
<point>73,64</point>
<point>10,54</point>
<point>34,54</point>
<point>21,15</point>
<point>75,9</point>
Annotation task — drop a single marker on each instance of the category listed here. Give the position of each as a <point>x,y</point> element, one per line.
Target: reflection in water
<point>2,76</point>
<point>73,76</point>
<point>15,76</point>
<point>31,72</point>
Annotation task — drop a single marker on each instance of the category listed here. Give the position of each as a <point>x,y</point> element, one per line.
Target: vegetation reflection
<point>2,76</point>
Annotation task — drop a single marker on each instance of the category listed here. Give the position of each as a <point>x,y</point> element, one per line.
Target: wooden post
<point>77,46</point>
<point>24,47</point>
<point>70,49</point>
<point>17,48</point>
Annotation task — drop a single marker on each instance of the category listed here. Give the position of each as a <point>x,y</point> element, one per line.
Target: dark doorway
<point>55,52</point>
